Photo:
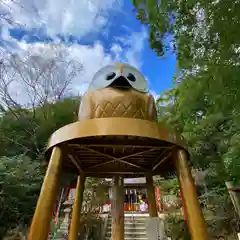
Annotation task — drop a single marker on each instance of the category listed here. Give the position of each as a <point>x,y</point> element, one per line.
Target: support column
<point>195,219</point>
<point>118,208</point>
<point>151,196</point>
<point>77,207</point>
<point>40,226</point>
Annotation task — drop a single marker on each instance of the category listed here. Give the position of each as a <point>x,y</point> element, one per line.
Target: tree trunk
<point>233,197</point>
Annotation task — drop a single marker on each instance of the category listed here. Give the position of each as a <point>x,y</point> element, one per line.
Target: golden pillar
<point>151,196</point>
<point>195,219</point>
<point>77,207</point>
<point>40,226</point>
<point>118,208</point>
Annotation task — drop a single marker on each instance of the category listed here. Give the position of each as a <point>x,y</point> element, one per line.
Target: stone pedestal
<point>155,229</point>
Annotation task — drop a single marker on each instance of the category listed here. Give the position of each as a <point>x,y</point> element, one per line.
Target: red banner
<point>183,205</point>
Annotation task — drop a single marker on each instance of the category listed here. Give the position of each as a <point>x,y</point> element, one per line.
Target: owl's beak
<point>121,82</point>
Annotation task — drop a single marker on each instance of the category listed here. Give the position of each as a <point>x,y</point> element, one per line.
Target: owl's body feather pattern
<point>113,102</point>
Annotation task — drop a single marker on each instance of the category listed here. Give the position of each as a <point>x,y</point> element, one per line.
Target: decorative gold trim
<point>114,127</point>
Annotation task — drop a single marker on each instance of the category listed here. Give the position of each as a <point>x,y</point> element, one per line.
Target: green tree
<point>28,134</point>
<point>26,123</point>
<point>205,101</point>
<point>204,105</point>
<point>20,182</point>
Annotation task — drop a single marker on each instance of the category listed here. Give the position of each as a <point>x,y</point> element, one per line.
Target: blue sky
<point>95,33</point>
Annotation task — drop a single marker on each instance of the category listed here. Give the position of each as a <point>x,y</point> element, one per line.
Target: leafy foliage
<point>96,191</point>
<point>20,182</point>
<point>21,132</point>
<point>91,227</point>
<point>176,227</point>
<point>204,104</point>
<point>23,139</point>
<point>169,186</point>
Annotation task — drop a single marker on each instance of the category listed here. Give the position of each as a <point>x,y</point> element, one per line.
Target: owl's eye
<point>110,76</point>
<point>131,77</point>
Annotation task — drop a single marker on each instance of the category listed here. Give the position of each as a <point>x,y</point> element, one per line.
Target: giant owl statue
<point>118,90</point>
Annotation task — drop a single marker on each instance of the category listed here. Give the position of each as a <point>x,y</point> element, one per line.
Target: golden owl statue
<point>118,90</point>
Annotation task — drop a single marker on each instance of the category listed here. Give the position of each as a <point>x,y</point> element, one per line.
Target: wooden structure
<point>116,136</point>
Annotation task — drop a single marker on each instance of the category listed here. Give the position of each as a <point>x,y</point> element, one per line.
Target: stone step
<point>132,223</point>
<point>134,227</point>
<point>129,238</point>
<point>135,216</point>
<point>133,234</point>
<point>126,220</point>
<point>131,228</point>
<point>128,217</point>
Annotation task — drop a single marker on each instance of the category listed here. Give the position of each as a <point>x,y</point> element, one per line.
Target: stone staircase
<point>134,227</point>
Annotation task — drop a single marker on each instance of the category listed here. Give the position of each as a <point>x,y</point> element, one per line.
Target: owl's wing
<point>152,112</point>
<point>85,109</point>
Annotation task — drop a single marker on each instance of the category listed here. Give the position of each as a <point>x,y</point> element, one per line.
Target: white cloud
<point>74,17</point>
<point>93,57</point>
<point>78,18</point>
<point>117,50</point>
<point>135,43</point>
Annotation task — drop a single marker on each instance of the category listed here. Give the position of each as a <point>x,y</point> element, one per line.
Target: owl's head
<point>119,75</point>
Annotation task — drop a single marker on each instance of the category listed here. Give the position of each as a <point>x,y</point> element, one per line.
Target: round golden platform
<point>103,147</point>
